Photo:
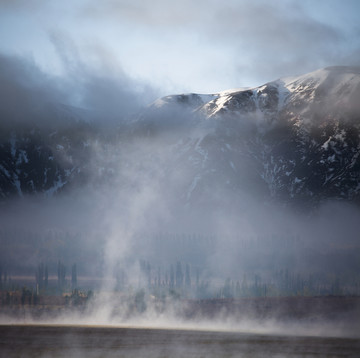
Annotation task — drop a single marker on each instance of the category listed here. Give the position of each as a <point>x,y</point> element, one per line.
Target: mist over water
<point>132,233</point>
<point>162,244</point>
<point>133,226</point>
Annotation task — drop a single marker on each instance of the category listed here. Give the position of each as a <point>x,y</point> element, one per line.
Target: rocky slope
<point>293,140</point>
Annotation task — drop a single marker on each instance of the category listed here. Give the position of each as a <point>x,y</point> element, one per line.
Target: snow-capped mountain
<point>294,140</point>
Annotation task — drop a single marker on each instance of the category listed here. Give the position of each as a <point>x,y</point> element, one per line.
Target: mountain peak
<point>294,140</point>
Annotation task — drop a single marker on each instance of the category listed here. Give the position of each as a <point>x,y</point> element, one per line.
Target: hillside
<point>293,141</point>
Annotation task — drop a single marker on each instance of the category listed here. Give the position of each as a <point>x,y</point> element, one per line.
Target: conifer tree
<point>73,276</point>
<point>172,276</point>
<point>46,277</point>
<point>61,275</point>
<point>179,275</point>
<point>187,276</point>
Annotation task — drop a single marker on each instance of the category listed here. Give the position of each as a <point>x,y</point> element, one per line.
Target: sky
<point>202,46</point>
<point>115,56</point>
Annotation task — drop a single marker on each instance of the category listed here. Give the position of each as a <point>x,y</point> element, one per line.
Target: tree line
<point>42,279</point>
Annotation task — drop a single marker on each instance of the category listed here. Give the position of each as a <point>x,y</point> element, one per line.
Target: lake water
<point>77,341</point>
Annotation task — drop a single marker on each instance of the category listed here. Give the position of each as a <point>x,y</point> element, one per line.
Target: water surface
<point>89,341</point>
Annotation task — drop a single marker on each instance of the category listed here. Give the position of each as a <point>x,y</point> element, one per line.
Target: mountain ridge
<point>293,140</point>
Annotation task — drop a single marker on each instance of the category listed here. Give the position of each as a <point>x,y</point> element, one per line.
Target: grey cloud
<point>27,94</point>
<point>266,40</point>
<point>157,13</point>
<point>104,87</point>
<point>271,26</point>
<point>20,4</point>
<point>275,40</point>
<point>262,40</point>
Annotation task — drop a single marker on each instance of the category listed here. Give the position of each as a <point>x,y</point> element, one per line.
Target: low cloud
<point>29,95</point>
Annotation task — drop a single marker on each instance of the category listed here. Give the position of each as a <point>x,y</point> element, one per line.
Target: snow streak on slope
<point>293,139</point>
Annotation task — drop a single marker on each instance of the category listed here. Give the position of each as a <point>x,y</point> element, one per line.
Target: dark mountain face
<point>36,160</point>
<point>294,140</point>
